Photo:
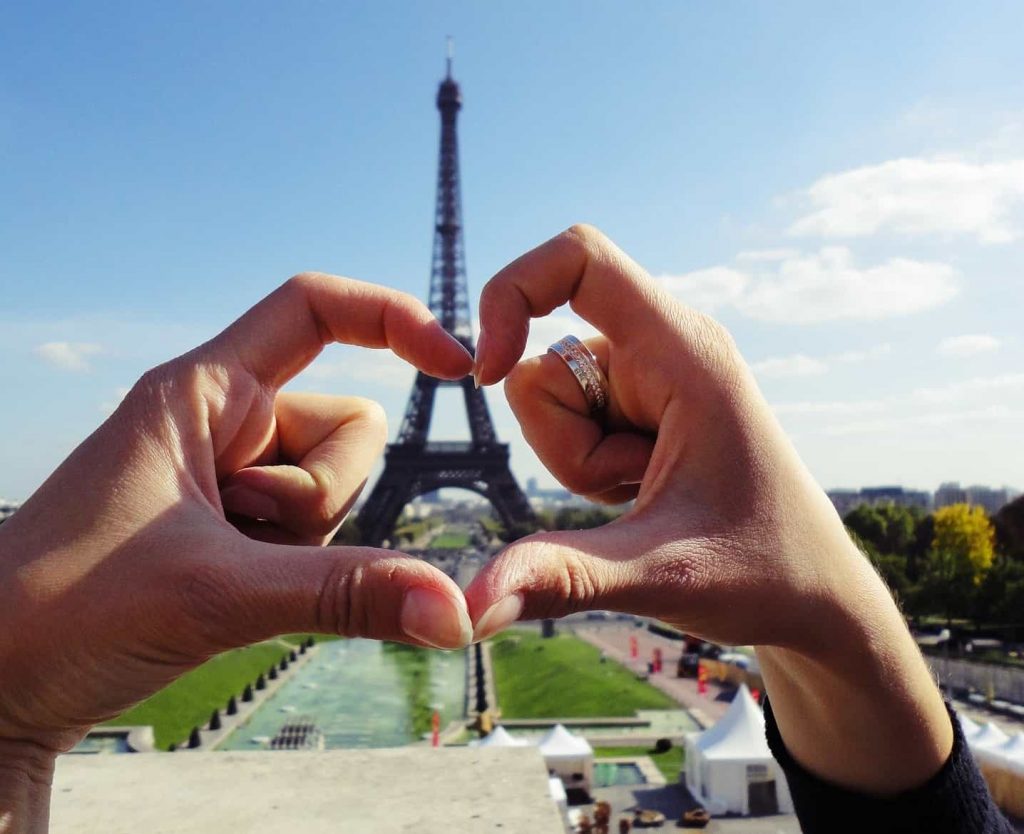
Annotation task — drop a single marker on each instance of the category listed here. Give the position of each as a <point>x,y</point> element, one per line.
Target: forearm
<point>858,707</point>
<point>26,773</point>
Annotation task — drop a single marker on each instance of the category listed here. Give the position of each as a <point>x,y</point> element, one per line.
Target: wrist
<point>855,701</point>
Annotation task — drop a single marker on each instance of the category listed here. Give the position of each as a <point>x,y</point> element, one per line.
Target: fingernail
<point>249,502</point>
<point>478,363</point>
<point>435,619</point>
<point>498,617</point>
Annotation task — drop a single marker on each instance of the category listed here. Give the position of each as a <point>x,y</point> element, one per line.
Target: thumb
<point>554,574</point>
<point>261,590</point>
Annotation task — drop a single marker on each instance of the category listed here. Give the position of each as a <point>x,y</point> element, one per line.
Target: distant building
<point>897,495</point>
<point>845,500</point>
<point>950,493</point>
<point>992,500</point>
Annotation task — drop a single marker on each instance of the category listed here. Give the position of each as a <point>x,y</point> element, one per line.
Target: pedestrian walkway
<point>614,642</point>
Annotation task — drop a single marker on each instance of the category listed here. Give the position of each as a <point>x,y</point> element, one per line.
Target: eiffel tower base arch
<point>413,471</point>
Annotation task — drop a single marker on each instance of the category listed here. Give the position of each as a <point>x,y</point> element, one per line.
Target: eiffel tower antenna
<point>412,465</point>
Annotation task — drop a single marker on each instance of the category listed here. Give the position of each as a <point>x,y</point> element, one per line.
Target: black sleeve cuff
<point>954,801</point>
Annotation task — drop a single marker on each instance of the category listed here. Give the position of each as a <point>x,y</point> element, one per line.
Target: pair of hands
<point>192,520</point>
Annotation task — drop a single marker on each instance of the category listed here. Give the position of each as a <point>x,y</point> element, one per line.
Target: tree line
<point>953,563</point>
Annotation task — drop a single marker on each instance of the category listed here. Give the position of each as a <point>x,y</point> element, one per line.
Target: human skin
<point>192,521</point>
<point>729,538</point>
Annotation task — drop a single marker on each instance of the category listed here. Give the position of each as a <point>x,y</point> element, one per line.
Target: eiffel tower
<point>412,465</point>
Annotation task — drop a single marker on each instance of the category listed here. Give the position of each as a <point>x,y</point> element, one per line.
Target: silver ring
<point>584,367</point>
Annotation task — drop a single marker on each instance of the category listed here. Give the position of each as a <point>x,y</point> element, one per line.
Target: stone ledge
<point>445,791</point>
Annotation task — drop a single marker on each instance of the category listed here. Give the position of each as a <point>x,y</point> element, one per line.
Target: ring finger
<point>588,456</point>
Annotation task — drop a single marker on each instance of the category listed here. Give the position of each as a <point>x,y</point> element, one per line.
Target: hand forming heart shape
<point>190,521</point>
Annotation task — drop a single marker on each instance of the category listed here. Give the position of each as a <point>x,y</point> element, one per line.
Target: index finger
<point>285,331</point>
<point>580,266</point>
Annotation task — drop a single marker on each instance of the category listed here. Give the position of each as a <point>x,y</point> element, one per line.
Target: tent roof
<point>968,726</point>
<point>1013,747</point>
<point>500,737</point>
<point>739,734</point>
<point>558,741</point>
<point>988,736</point>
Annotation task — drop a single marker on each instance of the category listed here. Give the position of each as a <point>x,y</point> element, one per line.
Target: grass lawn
<point>564,677</point>
<point>189,701</point>
<point>668,763</point>
<point>451,540</point>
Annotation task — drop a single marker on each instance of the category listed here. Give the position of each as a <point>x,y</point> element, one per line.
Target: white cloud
<point>379,367</point>
<point>968,388</point>
<point>707,289</point>
<point>801,365</point>
<point>546,331</point>
<point>780,254</point>
<point>71,356</point>
<point>915,196</point>
<point>851,356</point>
<point>795,365</point>
<point>829,286</point>
<point>823,286</point>
<point>831,407</point>
<point>968,345</point>
<point>975,400</point>
<point>992,413</point>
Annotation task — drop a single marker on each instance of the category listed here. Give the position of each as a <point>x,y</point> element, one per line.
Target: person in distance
<point>193,519</point>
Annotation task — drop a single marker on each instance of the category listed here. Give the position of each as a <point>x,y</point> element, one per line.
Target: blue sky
<point>843,187</point>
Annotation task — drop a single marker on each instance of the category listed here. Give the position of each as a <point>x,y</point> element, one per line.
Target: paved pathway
<point>614,642</point>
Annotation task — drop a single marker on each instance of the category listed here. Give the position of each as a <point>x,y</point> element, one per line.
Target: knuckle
<point>304,281</point>
<point>342,603</point>
<point>372,414</point>
<point>153,384</point>
<point>518,381</point>
<point>322,513</point>
<point>578,586</point>
<point>585,235</point>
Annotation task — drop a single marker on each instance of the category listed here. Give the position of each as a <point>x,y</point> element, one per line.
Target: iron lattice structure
<point>414,466</point>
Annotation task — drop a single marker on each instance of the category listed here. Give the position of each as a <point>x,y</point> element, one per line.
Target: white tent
<point>1001,760</point>
<point>729,767</point>
<point>1012,751</point>
<point>986,740</point>
<point>500,737</point>
<point>568,756</point>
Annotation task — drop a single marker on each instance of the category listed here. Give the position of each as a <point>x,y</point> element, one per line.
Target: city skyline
<point>847,198</point>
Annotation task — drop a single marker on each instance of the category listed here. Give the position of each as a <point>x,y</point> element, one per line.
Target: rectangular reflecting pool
<point>362,693</point>
<point>607,774</point>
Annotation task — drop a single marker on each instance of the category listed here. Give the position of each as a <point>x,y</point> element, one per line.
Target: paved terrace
<point>445,791</point>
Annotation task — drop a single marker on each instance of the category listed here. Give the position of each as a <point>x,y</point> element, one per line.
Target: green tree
<point>868,524</point>
<point>999,600</point>
<point>1009,524</point>
<point>887,534</point>
<point>900,527</point>
<point>961,554</point>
